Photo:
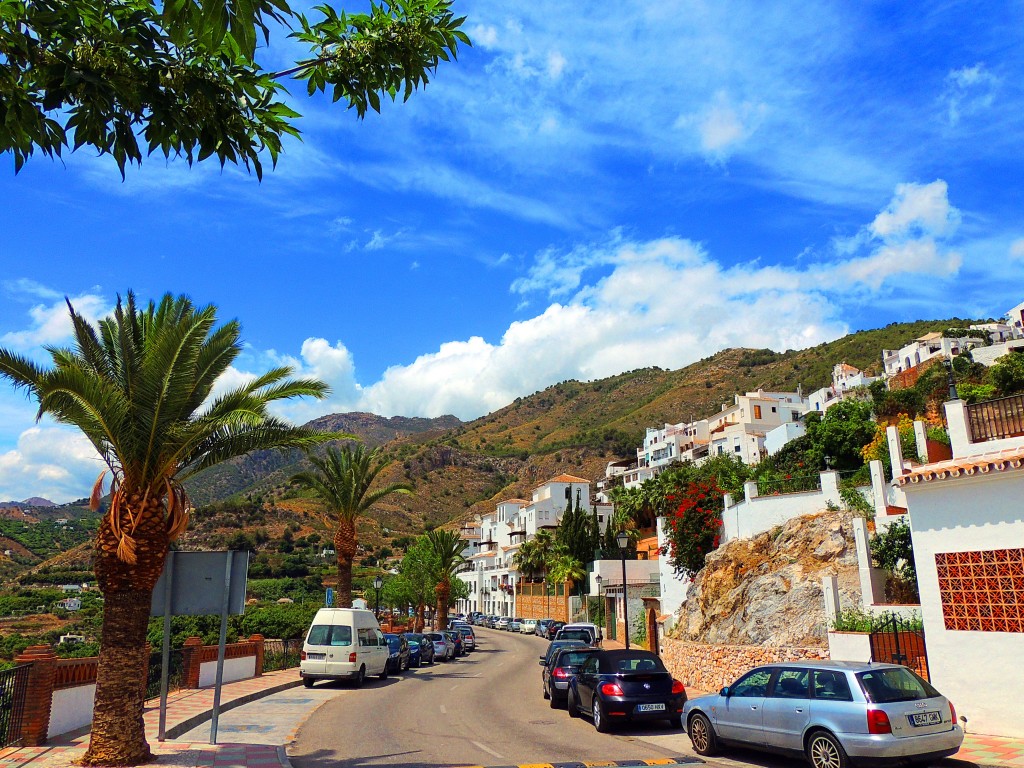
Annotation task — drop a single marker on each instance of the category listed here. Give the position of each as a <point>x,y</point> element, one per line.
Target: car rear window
<point>326,634</point>
<point>882,686</point>
<point>574,658</point>
<point>640,665</point>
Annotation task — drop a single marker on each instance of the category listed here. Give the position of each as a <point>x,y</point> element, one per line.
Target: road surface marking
<point>454,687</point>
<point>444,711</point>
<point>486,749</point>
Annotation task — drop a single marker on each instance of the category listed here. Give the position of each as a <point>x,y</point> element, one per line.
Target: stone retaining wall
<point>706,668</point>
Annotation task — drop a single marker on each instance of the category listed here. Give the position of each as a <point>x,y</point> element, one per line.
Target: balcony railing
<point>996,419</point>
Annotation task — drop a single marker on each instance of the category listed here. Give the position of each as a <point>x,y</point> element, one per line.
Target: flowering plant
<point>694,526</point>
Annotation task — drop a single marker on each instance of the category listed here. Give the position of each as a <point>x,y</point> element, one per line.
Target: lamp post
<point>950,379</point>
<point>378,582</point>
<point>622,539</point>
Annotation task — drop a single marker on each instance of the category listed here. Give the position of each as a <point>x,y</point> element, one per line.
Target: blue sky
<point>591,188</point>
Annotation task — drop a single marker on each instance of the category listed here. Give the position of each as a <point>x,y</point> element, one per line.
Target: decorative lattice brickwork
<point>982,591</point>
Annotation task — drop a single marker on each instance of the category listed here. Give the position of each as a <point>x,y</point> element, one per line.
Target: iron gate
<point>898,640</point>
<point>13,686</point>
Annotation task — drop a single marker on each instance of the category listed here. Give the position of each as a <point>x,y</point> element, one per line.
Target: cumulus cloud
<point>1017,250</point>
<point>915,210</point>
<point>54,462</point>
<point>51,323</point>
<point>723,125</point>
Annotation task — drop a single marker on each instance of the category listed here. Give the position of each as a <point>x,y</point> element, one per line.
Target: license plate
<point>316,656</point>
<point>650,707</point>
<point>925,718</point>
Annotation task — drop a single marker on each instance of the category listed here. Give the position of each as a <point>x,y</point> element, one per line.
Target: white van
<point>343,644</point>
<point>595,633</point>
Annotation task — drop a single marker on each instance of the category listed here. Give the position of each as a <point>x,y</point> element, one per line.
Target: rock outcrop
<point>767,590</point>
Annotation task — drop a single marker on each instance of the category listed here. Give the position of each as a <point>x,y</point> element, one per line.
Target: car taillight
<point>677,688</point>
<point>611,689</point>
<point>352,657</point>
<point>560,673</point>
<point>878,722</point>
<point>952,712</point>
<point>302,657</point>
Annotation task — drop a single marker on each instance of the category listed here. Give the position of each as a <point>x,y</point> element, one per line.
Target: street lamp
<point>377,584</point>
<point>622,539</point>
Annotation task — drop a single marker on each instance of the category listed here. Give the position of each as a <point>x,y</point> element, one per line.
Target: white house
<point>740,429</point>
<point>968,533</point>
<point>925,348</point>
<point>844,379</point>
<point>1015,319</point>
<point>495,537</point>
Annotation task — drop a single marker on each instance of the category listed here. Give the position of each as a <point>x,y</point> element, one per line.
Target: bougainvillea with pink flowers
<point>694,525</point>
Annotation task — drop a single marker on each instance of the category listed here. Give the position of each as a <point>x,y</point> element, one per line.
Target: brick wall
<point>706,668</point>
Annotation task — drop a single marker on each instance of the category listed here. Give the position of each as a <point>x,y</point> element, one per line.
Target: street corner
<point>682,760</point>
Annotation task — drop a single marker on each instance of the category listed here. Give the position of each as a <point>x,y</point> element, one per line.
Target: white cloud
<point>54,462</point>
<point>917,209</point>
<point>722,126</point>
<point>1017,249</point>
<point>51,323</point>
<point>969,90</point>
<point>555,65</point>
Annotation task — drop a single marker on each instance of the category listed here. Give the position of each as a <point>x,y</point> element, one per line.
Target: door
<point>586,682</point>
<point>740,717</point>
<point>787,709</point>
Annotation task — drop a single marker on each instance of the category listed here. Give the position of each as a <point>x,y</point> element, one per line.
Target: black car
<point>555,646</point>
<point>625,685</point>
<point>421,649</point>
<point>399,658</point>
<point>561,669</point>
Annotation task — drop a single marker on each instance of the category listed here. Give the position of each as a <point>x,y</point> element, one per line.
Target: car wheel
<point>825,751</point>
<point>361,677</point>
<point>384,672</point>
<point>572,705</point>
<point>600,721</point>
<point>553,702</point>
<point>308,682</point>
<point>702,735</point>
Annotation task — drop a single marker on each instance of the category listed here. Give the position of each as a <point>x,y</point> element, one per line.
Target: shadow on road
<point>327,759</point>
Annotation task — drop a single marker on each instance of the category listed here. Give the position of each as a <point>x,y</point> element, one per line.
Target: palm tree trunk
<point>442,591</point>
<point>345,546</point>
<point>118,735</point>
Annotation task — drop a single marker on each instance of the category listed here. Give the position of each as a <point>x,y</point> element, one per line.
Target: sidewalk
<point>185,710</point>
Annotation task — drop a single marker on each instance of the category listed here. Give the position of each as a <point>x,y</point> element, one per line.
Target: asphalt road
<point>483,709</point>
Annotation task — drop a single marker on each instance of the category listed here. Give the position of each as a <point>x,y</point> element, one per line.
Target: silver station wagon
<point>833,712</point>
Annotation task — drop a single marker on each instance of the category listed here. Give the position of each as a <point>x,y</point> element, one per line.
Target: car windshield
<point>574,658</point>
<point>435,636</point>
<point>326,634</point>
<point>393,642</point>
<point>414,638</point>
<point>882,686</point>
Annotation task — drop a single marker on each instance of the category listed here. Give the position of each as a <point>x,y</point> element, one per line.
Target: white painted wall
<point>757,514</point>
<point>71,709</point>
<point>849,646</point>
<point>636,571</point>
<point>673,588</point>
<point>980,672</point>
<point>234,669</point>
<point>960,434</point>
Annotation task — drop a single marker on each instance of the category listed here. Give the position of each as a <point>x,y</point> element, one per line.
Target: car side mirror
<point>725,692</point>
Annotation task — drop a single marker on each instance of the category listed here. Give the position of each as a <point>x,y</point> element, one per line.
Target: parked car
<point>421,649</point>
<point>444,647</point>
<point>556,645</point>
<point>399,656</point>
<point>595,633</point>
<point>456,638</point>
<point>541,628</point>
<point>565,633</point>
<point>528,626</point>
<point>514,625</point>
<point>502,622</point>
<point>552,629</point>
<point>468,637</point>
<point>343,644</point>
<point>833,713</point>
<point>616,686</point>
<point>561,669</point>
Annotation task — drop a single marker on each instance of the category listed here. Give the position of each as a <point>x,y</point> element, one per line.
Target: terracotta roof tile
<point>1000,461</point>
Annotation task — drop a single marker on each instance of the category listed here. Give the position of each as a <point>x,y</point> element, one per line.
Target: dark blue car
<point>398,648</point>
<point>421,649</point>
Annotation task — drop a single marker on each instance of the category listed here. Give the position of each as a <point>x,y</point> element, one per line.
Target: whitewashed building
<point>740,429</point>
<point>925,348</point>
<point>844,379</point>
<point>968,534</point>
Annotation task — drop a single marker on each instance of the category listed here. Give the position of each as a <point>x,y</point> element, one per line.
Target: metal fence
<point>777,486</point>
<point>13,686</point>
<point>175,677</point>
<point>281,654</point>
<point>996,419</point>
<point>897,640</point>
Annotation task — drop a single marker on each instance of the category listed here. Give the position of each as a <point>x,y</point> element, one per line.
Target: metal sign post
<point>165,653</point>
<point>221,642</point>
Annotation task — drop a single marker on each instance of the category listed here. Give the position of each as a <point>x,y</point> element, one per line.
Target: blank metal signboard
<point>197,584</point>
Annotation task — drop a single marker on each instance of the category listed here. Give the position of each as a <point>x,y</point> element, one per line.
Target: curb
<point>683,760</point>
<point>174,731</point>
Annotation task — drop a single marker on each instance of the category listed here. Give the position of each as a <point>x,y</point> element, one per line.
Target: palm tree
<point>342,481</point>
<point>447,548</point>
<point>141,388</point>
